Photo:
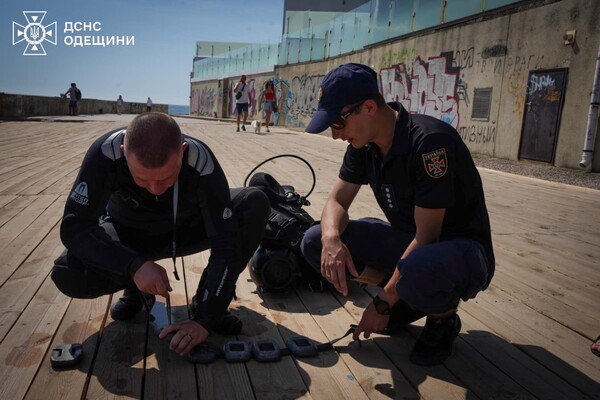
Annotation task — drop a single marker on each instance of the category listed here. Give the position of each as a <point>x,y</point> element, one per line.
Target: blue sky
<point>158,65</point>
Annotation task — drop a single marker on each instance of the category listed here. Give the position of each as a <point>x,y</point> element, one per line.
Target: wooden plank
<point>118,368</point>
<point>19,248</point>
<point>82,323</point>
<point>553,345</point>
<point>21,221</point>
<point>535,378</point>
<point>398,348</point>
<point>373,370</point>
<point>25,346</point>
<point>326,376</point>
<point>218,380</point>
<point>269,380</point>
<point>13,208</point>
<point>551,306</point>
<point>18,291</point>
<point>168,375</point>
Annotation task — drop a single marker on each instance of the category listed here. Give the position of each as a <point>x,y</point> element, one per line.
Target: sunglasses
<point>340,122</point>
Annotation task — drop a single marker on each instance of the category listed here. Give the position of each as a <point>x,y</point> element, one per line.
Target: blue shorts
<point>434,277</point>
<point>72,103</point>
<point>241,107</point>
<point>268,105</point>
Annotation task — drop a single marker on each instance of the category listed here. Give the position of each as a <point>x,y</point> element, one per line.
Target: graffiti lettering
<point>498,50</point>
<point>478,133</point>
<point>460,58</point>
<point>524,63</point>
<point>431,88</point>
<point>494,66</point>
<point>538,83</point>
<point>390,58</point>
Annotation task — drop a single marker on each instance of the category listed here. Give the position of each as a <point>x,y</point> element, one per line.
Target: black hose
<point>312,171</point>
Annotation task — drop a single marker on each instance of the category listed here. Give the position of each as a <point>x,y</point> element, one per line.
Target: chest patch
<point>435,163</point>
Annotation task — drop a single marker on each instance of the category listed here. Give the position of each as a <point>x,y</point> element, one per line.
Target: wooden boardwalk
<point>527,337</point>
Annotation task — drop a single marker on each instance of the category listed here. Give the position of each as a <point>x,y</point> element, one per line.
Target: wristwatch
<point>381,306</point>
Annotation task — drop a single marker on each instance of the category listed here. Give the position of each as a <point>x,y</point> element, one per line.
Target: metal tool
<point>169,309</point>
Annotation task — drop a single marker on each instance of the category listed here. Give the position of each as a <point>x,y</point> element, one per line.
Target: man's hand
<point>335,257</point>
<point>151,278</point>
<point>370,322</point>
<point>187,335</point>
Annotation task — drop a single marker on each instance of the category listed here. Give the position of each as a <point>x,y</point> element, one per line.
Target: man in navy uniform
<point>435,247</point>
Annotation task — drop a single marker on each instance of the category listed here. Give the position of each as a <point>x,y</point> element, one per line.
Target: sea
<point>181,110</point>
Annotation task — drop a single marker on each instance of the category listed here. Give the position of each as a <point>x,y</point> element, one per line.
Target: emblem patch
<point>436,163</point>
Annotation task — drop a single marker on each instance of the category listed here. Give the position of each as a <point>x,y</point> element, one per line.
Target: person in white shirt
<point>241,91</point>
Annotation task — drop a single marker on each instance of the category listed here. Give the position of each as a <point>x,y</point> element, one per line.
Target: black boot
<point>230,325</point>
<point>434,345</point>
<point>130,304</point>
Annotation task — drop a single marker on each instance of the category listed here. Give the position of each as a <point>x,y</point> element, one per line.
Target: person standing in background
<point>120,105</point>
<point>74,96</point>
<point>148,105</point>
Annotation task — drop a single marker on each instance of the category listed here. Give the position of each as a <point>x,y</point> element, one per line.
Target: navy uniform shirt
<point>428,166</point>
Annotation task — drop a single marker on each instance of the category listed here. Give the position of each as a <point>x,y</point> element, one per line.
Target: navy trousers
<point>434,277</point>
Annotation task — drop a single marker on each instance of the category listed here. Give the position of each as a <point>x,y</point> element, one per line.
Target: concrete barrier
<point>18,106</point>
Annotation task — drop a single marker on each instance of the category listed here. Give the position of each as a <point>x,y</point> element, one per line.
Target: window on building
<point>482,101</point>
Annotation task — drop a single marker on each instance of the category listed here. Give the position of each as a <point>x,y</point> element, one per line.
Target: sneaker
<point>230,325</point>
<point>238,129</point>
<point>268,130</point>
<point>244,128</point>
<point>434,345</point>
<point>130,304</point>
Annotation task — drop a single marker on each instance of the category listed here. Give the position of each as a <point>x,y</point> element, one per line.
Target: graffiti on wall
<point>431,88</point>
<point>478,133</point>
<point>402,56</point>
<point>206,103</point>
<point>304,98</point>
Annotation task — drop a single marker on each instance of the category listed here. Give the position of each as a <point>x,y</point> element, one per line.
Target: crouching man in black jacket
<point>145,193</point>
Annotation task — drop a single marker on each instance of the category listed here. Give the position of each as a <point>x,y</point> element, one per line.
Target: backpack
<point>278,263</point>
<point>78,94</point>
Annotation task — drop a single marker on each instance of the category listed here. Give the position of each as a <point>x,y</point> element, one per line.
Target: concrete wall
<point>23,106</point>
<point>437,73</point>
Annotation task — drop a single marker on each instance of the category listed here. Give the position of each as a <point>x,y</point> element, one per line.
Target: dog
<point>256,124</point>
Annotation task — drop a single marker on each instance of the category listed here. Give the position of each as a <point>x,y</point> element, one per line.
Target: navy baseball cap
<point>347,84</point>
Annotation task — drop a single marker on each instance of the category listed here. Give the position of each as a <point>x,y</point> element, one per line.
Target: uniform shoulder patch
<point>436,163</point>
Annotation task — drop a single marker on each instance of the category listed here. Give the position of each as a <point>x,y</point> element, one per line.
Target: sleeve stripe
<point>199,157</point>
<point>111,147</point>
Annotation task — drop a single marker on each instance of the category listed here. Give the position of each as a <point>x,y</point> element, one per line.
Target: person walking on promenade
<point>435,247</point>
<point>146,193</point>
<point>268,102</point>
<point>241,91</point>
<point>149,105</point>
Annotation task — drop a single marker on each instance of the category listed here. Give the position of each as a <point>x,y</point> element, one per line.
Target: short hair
<point>153,137</point>
<point>378,99</point>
